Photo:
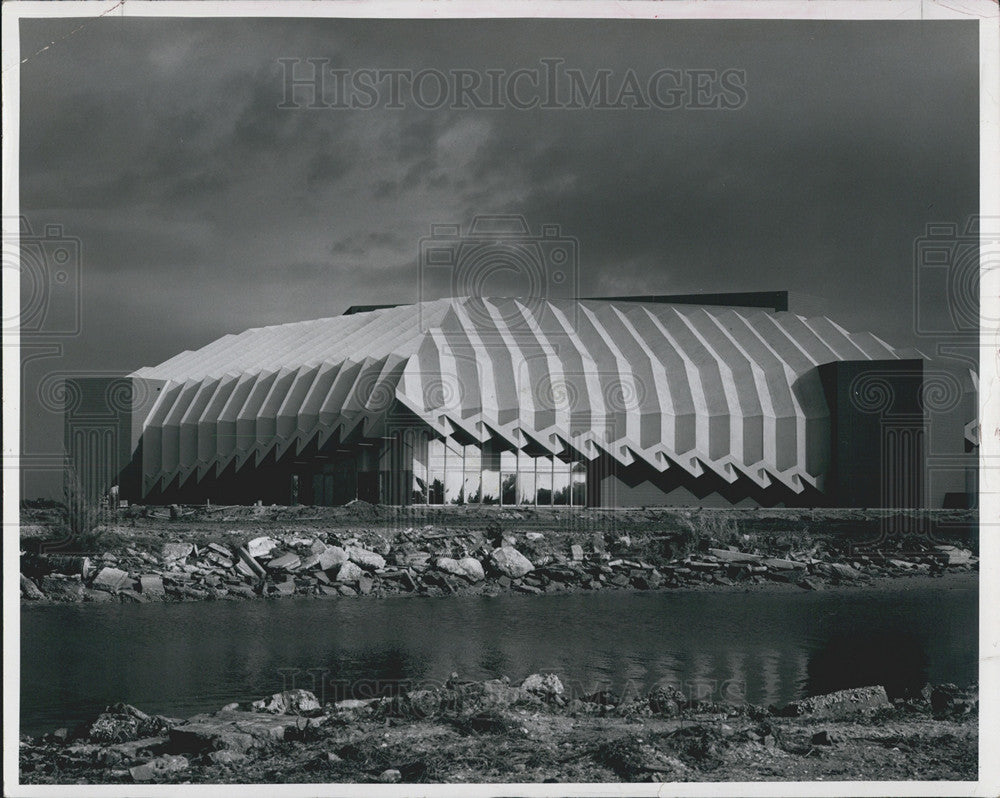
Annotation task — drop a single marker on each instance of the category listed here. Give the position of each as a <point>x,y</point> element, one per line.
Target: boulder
<point>151,584</point>
<point>63,588</point>
<point>546,686</point>
<point>261,547</point>
<point>158,767</point>
<point>365,558</point>
<point>331,557</point>
<point>734,556</point>
<point>286,562</point>
<point>349,572</point>
<point>308,562</point>
<point>172,552</point>
<point>471,569</point>
<point>778,564</point>
<point>287,702</point>
<point>248,563</point>
<point>576,552</point>
<point>468,568</point>
<point>30,590</point>
<point>390,776</point>
<point>122,722</point>
<point>954,555</point>
<point>111,579</point>
<point>218,548</point>
<point>231,731</point>
<point>510,562</point>
<point>840,705</point>
<point>844,572</point>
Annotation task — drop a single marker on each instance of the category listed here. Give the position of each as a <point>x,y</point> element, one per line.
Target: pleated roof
<point>729,390</point>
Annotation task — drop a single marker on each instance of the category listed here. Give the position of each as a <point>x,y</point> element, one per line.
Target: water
<point>766,647</point>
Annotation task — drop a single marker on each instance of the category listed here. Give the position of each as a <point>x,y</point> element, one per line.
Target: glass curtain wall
<point>446,472</point>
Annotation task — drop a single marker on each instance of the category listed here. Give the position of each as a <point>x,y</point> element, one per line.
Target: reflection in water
<point>179,659</point>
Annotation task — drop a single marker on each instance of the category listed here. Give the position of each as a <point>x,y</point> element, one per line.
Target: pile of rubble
<point>331,565</point>
<point>293,736</point>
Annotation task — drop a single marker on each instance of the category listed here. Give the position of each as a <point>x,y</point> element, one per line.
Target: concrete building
<point>679,400</point>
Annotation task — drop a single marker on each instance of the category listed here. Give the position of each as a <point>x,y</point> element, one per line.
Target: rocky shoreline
<point>495,731</point>
<point>156,559</point>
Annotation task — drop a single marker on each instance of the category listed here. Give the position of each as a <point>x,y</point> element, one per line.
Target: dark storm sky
<point>202,208</point>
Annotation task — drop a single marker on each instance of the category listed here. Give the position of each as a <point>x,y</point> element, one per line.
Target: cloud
<point>204,208</point>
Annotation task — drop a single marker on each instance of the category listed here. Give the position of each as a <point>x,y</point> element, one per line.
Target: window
<point>446,472</point>
<point>525,478</point>
<point>508,478</point>
<point>543,481</point>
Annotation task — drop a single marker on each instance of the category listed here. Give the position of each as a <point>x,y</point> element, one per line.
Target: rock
<point>778,564</point>
<point>309,562</point>
<point>158,767</point>
<point>734,556</point>
<point>231,731</point>
<point>245,591</point>
<point>471,569</point>
<point>286,562</point>
<point>227,758</point>
<point>110,579</point>
<point>365,558</point>
<point>97,596</point>
<point>510,562</point>
<point>151,585</point>
<point>954,555</point>
<point>317,547</point>
<point>468,568</point>
<point>844,572</point>
<point>261,547</point>
<point>221,550</point>
<point>288,702</point>
<point>173,552</point>
<point>231,707</point>
<point>349,572</point>
<point>122,722</point>
<point>417,559</point>
<point>248,563</point>
<point>533,536</point>
<point>809,583</point>
<point>365,584</point>
<point>30,590</point>
<point>286,588</point>
<point>576,552</point>
<point>547,686</point>
<point>332,557</point>
<point>63,588</point>
<point>390,776</point>
<point>841,704</point>
<point>352,704</point>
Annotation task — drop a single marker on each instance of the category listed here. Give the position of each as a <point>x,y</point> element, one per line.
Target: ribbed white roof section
<point>731,391</point>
